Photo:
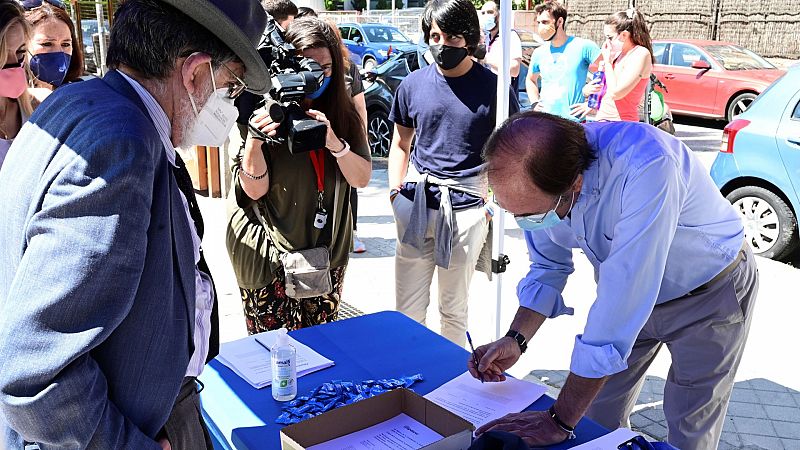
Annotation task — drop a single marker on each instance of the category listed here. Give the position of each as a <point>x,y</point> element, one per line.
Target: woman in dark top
<point>284,188</point>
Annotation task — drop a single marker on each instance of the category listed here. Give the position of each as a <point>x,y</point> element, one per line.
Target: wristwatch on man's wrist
<point>521,341</point>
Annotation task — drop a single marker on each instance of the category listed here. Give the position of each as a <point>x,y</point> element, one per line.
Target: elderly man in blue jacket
<point>107,309</point>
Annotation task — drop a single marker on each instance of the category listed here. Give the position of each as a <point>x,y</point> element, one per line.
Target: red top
<point>626,108</point>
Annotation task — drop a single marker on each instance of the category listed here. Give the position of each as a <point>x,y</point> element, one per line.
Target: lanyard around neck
<point>318,161</point>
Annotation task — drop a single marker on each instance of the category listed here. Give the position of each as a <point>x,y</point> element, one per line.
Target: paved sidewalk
<point>764,413</point>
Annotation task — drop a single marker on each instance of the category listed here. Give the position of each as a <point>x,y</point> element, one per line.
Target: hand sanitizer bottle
<point>284,368</point>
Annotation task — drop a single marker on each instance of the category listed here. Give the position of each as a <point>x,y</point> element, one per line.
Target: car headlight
<point>383,53</point>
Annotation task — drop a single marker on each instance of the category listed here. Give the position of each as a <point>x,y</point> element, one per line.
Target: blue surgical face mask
<point>488,22</point>
<point>535,222</point>
<point>50,67</point>
<point>314,95</point>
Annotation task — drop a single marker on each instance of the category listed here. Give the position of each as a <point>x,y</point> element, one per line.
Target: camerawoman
<point>290,208</point>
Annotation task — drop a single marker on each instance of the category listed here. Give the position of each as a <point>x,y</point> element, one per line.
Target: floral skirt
<point>269,308</point>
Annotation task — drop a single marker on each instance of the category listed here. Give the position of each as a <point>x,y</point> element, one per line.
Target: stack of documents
<point>399,432</point>
<point>481,403</point>
<point>610,441</point>
<point>250,359</point>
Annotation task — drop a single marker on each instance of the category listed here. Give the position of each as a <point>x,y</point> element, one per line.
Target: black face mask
<point>448,57</point>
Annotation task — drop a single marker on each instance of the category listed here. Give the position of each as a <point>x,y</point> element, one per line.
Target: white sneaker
<point>358,246</point>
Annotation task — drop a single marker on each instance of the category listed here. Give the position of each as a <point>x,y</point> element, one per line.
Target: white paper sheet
<point>251,360</point>
<point>608,442</point>
<point>480,403</point>
<point>398,433</point>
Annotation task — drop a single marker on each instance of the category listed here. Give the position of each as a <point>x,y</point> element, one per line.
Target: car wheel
<point>770,226</point>
<point>368,64</point>
<point>380,133</point>
<point>739,104</point>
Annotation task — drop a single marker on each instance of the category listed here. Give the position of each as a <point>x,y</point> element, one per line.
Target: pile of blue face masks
<point>339,393</point>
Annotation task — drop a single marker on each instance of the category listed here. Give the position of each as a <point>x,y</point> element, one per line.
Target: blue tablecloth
<point>382,345</point>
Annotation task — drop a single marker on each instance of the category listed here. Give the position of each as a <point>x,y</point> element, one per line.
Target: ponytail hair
<point>632,21</point>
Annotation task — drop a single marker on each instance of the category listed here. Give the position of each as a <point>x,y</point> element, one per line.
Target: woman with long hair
<point>627,59</point>
<point>17,101</point>
<point>55,52</point>
<point>287,202</point>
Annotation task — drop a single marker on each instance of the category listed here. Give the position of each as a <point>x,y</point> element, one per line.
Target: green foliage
<point>330,5</point>
<point>385,4</point>
<point>515,4</point>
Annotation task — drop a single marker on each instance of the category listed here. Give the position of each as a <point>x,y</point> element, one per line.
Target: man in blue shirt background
<point>562,63</point>
<point>671,267</point>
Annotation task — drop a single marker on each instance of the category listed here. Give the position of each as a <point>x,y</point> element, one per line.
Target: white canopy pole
<point>503,84</point>
<point>98,8</point>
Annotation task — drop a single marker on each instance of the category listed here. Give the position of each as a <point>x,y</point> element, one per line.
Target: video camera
<point>293,77</point>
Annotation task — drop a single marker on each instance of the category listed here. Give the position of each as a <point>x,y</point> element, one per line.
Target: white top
<point>494,51</point>
<point>5,144</point>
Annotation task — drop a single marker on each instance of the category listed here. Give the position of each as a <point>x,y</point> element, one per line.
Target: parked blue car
<point>758,167</point>
<point>370,44</point>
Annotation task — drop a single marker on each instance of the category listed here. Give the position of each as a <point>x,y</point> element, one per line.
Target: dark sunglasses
<point>31,4</point>
<point>14,65</point>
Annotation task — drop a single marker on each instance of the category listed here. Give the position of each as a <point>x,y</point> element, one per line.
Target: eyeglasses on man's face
<point>236,87</point>
<point>533,217</point>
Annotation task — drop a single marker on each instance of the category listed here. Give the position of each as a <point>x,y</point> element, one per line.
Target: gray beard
<point>187,117</point>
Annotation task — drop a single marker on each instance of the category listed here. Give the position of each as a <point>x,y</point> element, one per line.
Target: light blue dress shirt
<point>653,225</point>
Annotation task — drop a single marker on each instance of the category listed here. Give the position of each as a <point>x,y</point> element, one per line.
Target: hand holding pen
<point>474,356</point>
<point>491,360</point>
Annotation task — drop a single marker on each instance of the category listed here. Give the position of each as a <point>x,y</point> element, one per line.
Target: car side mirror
<point>357,39</point>
<point>701,65</point>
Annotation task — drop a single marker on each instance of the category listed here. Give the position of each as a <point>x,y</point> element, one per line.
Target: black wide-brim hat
<point>239,24</point>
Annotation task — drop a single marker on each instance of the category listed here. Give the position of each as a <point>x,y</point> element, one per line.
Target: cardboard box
<point>348,419</point>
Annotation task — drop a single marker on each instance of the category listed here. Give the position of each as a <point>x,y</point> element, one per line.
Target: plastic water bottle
<point>595,99</point>
<point>284,368</point>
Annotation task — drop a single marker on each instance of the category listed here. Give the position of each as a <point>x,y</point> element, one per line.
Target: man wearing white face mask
<point>670,261</point>
<point>107,306</point>
<point>490,25</point>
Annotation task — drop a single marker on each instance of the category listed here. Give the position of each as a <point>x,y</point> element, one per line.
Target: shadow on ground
<point>700,122</point>
<point>761,414</point>
<point>377,247</point>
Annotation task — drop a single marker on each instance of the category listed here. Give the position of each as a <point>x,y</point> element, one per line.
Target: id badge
<point>320,219</point>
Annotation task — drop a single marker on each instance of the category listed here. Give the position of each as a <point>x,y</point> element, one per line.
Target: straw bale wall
<point>768,27</point>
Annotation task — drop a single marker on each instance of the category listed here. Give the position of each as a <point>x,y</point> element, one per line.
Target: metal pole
<point>98,7</point>
<point>503,84</point>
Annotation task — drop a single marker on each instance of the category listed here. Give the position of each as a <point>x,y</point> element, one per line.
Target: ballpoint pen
<point>262,344</point>
<point>474,357</point>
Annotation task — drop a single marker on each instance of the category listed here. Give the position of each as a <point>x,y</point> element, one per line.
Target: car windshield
<point>733,57</point>
<point>385,34</point>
